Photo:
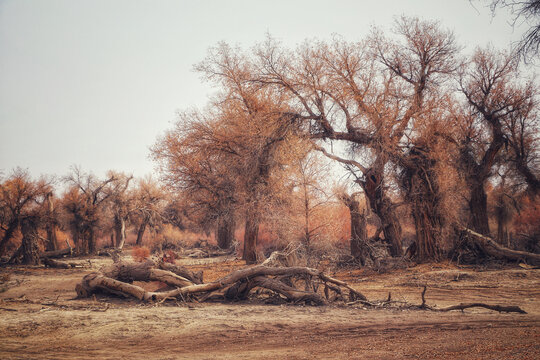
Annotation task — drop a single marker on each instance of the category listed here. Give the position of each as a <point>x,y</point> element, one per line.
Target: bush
<point>140,254</point>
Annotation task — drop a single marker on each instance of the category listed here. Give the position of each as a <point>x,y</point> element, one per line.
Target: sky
<point>94,83</point>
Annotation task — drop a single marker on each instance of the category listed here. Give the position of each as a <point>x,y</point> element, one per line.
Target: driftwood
<point>115,279</point>
<point>493,249</point>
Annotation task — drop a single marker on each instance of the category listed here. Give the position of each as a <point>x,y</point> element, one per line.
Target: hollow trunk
<point>30,251</point>
<point>382,206</point>
<point>225,231</point>
<point>250,239</point>
<point>52,243</point>
<point>140,233</point>
<point>8,235</point>
<point>478,209</point>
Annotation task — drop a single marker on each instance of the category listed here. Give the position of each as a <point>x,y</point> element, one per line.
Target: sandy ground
<point>40,319</point>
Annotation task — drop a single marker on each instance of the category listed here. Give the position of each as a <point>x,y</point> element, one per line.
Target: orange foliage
<point>140,254</point>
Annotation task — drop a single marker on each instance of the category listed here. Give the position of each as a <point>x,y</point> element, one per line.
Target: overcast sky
<point>93,83</point>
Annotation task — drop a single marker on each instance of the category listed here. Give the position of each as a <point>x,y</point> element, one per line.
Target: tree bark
<point>420,184</point>
<point>478,208</point>
<point>52,243</point>
<point>120,231</point>
<point>250,239</point>
<point>225,231</point>
<point>8,235</point>
<point>30,251</point>
<point>383,208</point>
<point>358,228</point>
<point>140,233</point>
<point>91,241</point>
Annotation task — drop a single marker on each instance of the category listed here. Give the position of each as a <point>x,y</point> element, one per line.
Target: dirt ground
<point>41,319</point>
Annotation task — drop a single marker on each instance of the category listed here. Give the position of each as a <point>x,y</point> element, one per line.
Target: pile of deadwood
<point>183,284</point>
<point>295,284</point>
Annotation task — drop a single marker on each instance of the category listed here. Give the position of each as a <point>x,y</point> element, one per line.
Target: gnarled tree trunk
<point>478,208</point>
<point>358,228</point>
<point>52,243</point>
<point>8,235</point>
<point>383,208</point>
<point>225,230</point>
<point>250,239</point>
<point>30,251</point>
<point>140,233</point>
<point>120,231</point>
<point>419,181</point>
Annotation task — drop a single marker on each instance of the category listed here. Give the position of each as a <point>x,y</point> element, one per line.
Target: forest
<point>318,175</point>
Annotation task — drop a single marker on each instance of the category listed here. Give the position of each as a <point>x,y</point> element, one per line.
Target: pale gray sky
<point>93,83</point>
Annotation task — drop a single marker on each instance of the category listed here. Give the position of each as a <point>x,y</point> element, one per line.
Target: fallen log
<point>292,294</point>
<point>129,272</point>
<point>95,282</point>
<point>498,251</point>
<point>194,277</point>
<point>499,308</point>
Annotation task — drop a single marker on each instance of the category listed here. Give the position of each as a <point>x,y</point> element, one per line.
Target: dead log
<point>129,272</point>
<point>499,308</point>
<point>96,282</point>
<point>292,294</point>
<point>492,248</point>
<point>194,277</point>
<point>252,272</point>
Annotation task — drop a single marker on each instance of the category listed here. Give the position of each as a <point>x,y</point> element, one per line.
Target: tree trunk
<point>225,231</point>
<point>250,239</point>
<point>52,243</point>
<point>358,228</point>
<point>478,208</point>
<point>91,241</point>
<point>383,208</point>
<point>8,235</point>
<point>420,184</point>
<point>30,251</point>
<point>120,231</point>
<point>141,231</point>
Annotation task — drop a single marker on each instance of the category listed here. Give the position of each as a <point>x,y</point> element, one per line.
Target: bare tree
<point>523,11</point>
<point>84,205</point>
<point>150,198</point>
<point>493,92</point>
<point>20,198</point>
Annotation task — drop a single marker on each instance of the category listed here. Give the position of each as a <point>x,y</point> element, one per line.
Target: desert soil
<point>41,319</point>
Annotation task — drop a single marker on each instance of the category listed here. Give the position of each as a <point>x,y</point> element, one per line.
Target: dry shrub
<point>170,257</point>
<point>527,225</point>
<point>140,254</point>
<point>172,238</point>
